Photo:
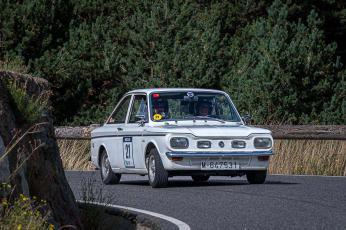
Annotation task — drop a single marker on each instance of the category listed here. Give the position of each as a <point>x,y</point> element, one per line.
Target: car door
<point>133,148</point>
<point>115,126</point>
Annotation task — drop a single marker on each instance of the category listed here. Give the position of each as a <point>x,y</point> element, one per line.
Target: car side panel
<point>107,136</point>
<point>134,133</point>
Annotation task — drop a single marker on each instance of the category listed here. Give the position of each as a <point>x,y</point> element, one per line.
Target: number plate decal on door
<point>128,152</point>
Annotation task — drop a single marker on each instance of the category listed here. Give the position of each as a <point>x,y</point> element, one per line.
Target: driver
<point>203,108</point>
<point>161,107</point>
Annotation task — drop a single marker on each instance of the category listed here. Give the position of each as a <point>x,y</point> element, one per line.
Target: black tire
<point>200,178</point>
<point>157,175</point>
<point>256,177</point>
<point>107,174</point>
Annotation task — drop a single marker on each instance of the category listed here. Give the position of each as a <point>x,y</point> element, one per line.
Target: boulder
<point>32,163</point>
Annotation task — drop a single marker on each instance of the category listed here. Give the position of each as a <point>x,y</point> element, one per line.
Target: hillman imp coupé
<point>179,132</point>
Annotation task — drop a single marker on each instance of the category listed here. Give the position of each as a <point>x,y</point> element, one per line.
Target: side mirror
<point>94,126</point>
<point>246,119</point>
<point>140,119</point>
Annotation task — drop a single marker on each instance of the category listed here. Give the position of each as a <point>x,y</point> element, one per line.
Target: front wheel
<point>107,174</point>
<point>256,177</point>
<point>158,176</point>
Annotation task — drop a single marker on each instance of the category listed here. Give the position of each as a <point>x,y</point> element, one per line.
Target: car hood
<point>210,130</point>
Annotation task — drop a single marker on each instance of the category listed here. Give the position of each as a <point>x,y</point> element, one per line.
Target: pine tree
<point>282,71</point>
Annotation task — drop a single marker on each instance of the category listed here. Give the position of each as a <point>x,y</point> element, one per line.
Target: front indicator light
<point>177,158</point>
<point>262,143</point>
<point>204,144</point>
<point>263,158</point>
<point>238,144</point>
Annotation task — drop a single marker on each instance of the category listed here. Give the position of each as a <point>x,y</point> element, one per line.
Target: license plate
<point>217,165</point>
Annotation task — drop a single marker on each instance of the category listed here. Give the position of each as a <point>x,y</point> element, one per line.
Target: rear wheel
<point>256,177</point>
<point>158,176</point>
<point>200,178</point>
<point>107,174</point>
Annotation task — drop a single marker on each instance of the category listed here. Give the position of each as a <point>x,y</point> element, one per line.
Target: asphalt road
<point>283,202</point>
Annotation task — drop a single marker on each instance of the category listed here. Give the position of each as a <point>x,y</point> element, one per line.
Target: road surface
<point>283,202</point>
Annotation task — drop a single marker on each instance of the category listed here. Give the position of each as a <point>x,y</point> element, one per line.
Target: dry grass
<point>75,154</point>
<point>310,157</point>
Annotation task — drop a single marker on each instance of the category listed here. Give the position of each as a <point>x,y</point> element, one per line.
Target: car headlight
<point>262,143</point>
<point>179,142</point>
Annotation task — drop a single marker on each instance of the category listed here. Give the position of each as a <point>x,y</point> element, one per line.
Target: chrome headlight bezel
<point>179,142</point>
<point>263,143</point>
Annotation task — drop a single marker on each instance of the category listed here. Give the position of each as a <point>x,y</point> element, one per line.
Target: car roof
<point>148,91</point>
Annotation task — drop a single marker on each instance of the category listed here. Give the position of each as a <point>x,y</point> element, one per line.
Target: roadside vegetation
<point>94,216</point>
<point>283,62</point>
<point>75,154</point>
<point>22,212</point>
<point>104,217</point>
<point>13,64</point>
<point>309,157</point>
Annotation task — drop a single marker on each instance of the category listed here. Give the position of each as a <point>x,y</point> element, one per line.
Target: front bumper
<point>186,161</point>
<point>219,154</point>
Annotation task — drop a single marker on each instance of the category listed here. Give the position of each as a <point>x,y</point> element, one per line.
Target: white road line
<point>180,224</point>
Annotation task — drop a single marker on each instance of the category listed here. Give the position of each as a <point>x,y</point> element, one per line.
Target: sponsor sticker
<point>190,94</point>
<point>157,117</point>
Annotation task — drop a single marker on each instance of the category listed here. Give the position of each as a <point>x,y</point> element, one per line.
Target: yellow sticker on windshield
<point>157,117</point>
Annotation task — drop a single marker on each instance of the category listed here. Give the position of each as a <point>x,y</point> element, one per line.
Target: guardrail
<point>294,132</point>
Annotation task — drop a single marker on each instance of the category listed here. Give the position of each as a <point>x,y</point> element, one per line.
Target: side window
<point>139,109</point>
<point>119,115</point>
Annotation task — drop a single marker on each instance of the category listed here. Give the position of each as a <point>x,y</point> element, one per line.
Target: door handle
<point>120,129</point>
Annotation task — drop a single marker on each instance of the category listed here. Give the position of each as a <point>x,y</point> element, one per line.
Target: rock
<point>40,173</point>
<point>4,168</point>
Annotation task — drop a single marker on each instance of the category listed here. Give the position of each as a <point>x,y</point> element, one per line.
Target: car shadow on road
<point>187,183</point>
<point>280,183</point>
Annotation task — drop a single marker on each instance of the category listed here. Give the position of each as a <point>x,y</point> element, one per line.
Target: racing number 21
<point>127,152</point>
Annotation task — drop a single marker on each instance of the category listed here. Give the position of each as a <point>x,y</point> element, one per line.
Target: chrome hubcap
<point>151,167</point>
<point>105,165</point>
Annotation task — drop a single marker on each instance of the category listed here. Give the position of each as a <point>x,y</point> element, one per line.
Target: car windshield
<point>170,106</point>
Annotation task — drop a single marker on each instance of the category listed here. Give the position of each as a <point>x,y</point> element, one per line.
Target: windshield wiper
<point>211,118</point>
<point>205,117</point>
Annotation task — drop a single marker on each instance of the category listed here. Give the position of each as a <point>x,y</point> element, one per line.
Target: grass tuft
<point>30,108</point>
<point>13,64</point>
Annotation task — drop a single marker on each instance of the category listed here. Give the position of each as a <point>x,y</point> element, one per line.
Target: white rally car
<point>173,132</point>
